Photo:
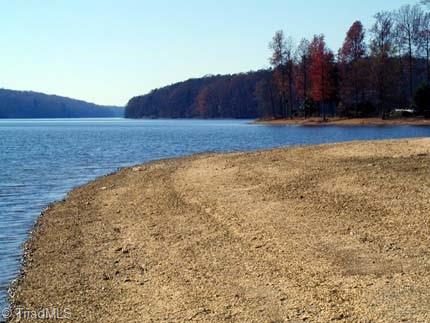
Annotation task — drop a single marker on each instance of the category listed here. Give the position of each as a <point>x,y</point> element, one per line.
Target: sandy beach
<point>335,232</point>
<point>348,122</point>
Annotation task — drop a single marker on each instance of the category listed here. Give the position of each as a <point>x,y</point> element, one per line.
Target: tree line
<point>364,78</point>
<point>213,96</point>
<point>26,104</point>
<point>375,72</point>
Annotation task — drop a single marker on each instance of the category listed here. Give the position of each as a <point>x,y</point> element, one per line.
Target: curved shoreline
<point>27,246</point>
<point>144,241</point>
<point>347,122</point>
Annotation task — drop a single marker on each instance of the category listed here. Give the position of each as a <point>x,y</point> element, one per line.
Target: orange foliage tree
<point>321,73</point>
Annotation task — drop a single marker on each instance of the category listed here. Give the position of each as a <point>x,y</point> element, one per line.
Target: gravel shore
<point>333,232</point>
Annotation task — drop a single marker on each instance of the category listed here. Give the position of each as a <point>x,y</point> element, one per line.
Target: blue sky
<point>108,51</point>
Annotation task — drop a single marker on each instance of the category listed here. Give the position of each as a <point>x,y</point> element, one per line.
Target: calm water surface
<point>41,160</point>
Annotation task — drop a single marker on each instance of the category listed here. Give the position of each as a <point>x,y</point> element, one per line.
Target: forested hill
<point>26,104</point>
<point>219,96</point>
<point>383,72</point>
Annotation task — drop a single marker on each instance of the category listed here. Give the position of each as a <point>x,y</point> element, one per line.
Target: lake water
<point>41,160</point>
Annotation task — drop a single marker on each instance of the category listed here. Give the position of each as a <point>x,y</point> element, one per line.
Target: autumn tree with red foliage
<point>321,73</point>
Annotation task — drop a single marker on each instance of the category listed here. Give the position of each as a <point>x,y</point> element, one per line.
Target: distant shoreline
<point>309,231</point>
<point>347,122</point>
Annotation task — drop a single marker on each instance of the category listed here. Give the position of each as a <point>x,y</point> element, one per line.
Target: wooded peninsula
<point>382,72</point>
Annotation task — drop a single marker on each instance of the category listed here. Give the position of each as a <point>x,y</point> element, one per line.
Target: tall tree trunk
<point>381,89</point>
<point>305,84</point>
<point>411,83</point>
<point>290,90</point>
<point>272,102</point>
<point>355,88</point>
<point>324,111</point>
<point>427,60</point>
<point>323,93</point>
